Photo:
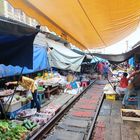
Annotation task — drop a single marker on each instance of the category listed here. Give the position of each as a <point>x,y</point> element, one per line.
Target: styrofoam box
<point>13,106</point>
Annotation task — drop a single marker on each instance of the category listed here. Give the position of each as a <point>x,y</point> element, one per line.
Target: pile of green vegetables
<point>12,131</point>
<point>30,125</point>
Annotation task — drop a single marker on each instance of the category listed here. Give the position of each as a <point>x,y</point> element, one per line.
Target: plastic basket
<point>12,115</point>
<point>111,96</point>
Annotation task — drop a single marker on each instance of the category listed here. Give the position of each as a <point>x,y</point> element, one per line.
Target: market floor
<point>110,125</point>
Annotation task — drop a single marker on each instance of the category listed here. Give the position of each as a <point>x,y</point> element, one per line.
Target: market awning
<point>118,58</point>
<point>16,44</point>
<point>86,23</point>
<point>40,62</point>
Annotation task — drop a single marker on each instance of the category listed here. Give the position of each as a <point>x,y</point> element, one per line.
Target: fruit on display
<point>17,97</point>
<point>41,118</point>
<point>23,99</point>
<point>26,113</point>
<point>6,92</point>
<point>22,114</point>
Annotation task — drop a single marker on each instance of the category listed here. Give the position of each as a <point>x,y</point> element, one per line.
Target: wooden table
<point>51,89</point>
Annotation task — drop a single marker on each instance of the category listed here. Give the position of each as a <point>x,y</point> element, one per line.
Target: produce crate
<point>137,112</point>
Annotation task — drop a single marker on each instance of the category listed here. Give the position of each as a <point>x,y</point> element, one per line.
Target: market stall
<point>17,102</point>
<point>16,44</point>
<point>51,83</point>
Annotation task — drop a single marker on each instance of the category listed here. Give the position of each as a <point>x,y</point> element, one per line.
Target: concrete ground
<point>110,125</point>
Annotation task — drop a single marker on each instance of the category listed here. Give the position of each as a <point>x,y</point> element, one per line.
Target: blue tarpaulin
<point>40,62</point>
<point>131,62</point>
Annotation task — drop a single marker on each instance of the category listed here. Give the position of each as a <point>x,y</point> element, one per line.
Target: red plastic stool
<point>68,86</point>
<point>84,84</point>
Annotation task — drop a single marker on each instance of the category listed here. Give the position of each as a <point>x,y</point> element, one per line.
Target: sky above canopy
<point>88,24</point>
<point>124,45</point>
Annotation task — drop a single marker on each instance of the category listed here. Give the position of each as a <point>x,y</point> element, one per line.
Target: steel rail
<point>48,126</point>
<point>90,132</point>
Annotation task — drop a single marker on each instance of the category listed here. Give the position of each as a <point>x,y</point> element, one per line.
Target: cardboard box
<point>137,112</point>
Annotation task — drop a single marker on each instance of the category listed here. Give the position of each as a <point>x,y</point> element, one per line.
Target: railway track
<point>77,118</point>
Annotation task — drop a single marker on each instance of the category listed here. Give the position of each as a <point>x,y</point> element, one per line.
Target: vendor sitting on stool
<point>121,89</point>
<point>28,84</point>
<point>133,88</point>
<point>70,77</point>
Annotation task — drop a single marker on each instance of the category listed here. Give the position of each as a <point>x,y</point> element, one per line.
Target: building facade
<point>8,11</point>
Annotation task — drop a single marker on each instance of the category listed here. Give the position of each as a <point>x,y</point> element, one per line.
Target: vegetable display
<point>12,131</point>
<point>30,125</point>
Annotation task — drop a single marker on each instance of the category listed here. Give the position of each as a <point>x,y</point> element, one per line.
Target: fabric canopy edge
<point>119,58</point>
<point>46,21</point>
